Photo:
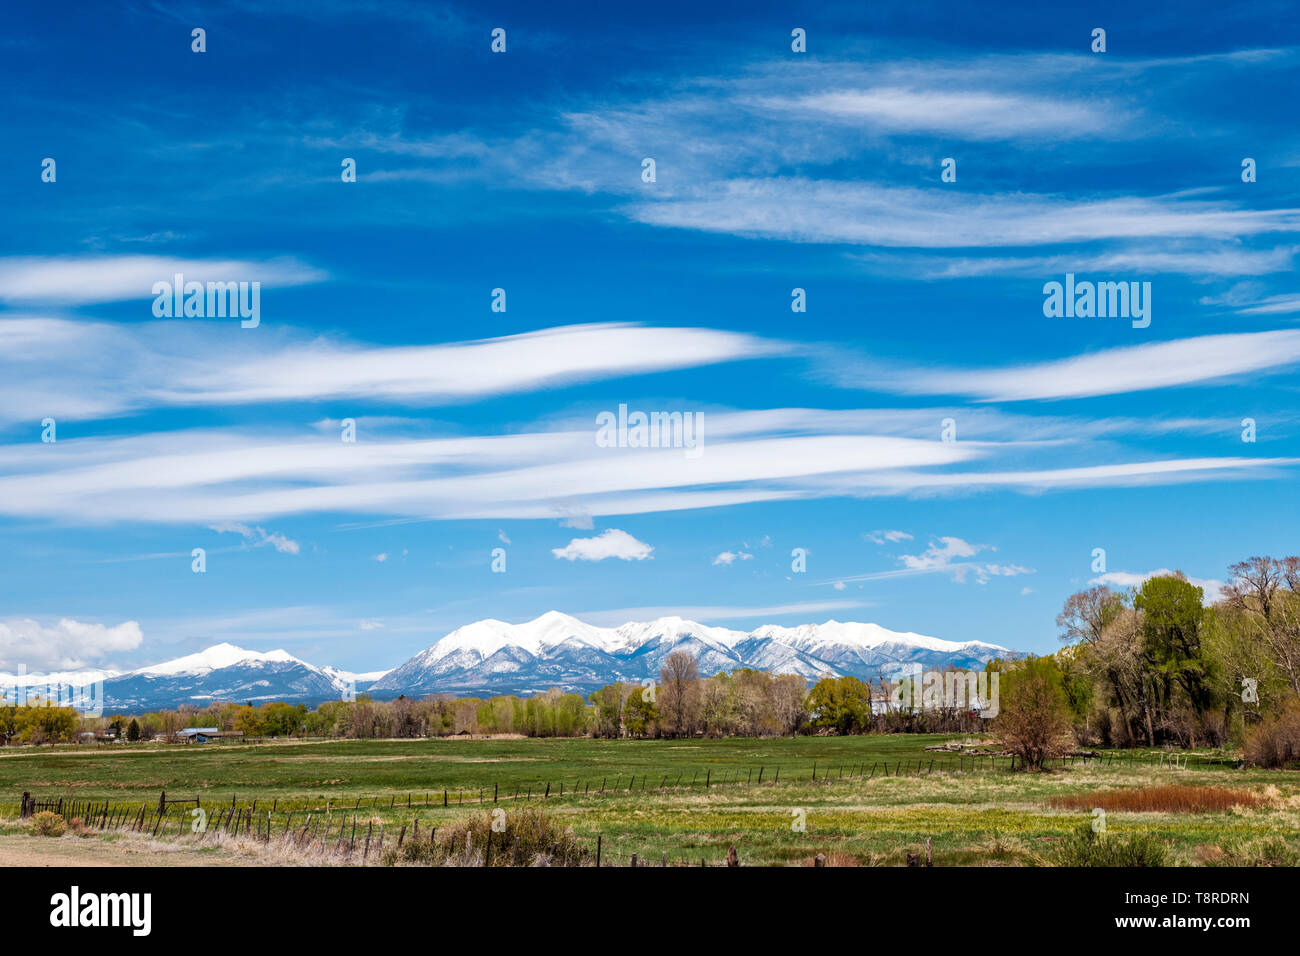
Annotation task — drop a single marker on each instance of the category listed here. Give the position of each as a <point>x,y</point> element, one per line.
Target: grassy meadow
<point>650,797</point>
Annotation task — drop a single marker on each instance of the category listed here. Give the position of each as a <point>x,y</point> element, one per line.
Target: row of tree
<point>1156,666</point>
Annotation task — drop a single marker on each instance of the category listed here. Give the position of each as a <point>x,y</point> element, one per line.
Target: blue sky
<point>522,170</point>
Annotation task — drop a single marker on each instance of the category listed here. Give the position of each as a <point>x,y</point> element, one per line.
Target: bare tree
<point>678,693</point>
<point>1256,590</point>
<point>790,702</point>
<point>1094,622</point>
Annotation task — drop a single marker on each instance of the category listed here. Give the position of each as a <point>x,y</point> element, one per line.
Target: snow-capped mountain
<point>557,650</point>
<point>222,672</point>
<point>493,657</point>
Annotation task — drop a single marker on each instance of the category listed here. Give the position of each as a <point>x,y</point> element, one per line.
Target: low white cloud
<point>613,543</point>
<point>940,555</point>
<point>371,624</point>
<point>258,536</point>
<point>382,557</point>
<point>729,557</point>
<point>64,645</point>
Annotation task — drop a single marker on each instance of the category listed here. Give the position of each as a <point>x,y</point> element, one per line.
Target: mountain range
<point>554,650</point>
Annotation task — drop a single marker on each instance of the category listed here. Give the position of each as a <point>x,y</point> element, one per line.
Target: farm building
<point>201,735</point>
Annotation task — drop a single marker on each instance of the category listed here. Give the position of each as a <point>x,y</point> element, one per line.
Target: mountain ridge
<point>557,649</point>
<point>552,650</point>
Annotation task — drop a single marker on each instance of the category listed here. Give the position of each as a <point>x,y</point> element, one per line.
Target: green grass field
<point>651,798</point>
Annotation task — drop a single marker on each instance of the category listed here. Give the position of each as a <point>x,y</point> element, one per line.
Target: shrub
<point>1086,847</point>
<point>1034,717</point>
<point>48,823</point>
<point>1276,742</point>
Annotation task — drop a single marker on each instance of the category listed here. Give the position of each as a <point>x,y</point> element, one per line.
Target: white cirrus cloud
<point>613,543</point>
<point>78,280</point>
<point>880,537</point>
<point>66,368</point>
<point>1131,368</point>
<point>800,209</point>
<point>1151,258</point>
<point>706,613</point>
<point>973,114</point>
<point>249,477</point>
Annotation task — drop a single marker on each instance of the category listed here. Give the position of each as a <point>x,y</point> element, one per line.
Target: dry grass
<point>1263,851</point>
<point>530,838</point>
<point>1163,799</point>
<point>834,858</point>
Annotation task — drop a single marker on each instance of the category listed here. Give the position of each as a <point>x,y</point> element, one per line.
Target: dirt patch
<point>21,850</point>
<point>397,758</point>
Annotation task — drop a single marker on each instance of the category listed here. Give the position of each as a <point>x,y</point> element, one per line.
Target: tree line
<point>1155,666</point>
<point>1148,666</point>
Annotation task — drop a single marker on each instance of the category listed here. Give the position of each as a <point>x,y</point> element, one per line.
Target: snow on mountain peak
<point>554,629</point>
<point>635,633</point>
<point>558,649</point>
<point>856,634</point>
<point>215,657</point>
